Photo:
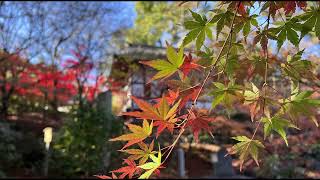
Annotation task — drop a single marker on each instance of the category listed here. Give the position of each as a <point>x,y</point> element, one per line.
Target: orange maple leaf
<point>138,135</point>
<point>171,97</point>
<point>164,116</point>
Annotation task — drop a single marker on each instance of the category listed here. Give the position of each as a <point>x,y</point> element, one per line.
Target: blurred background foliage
<point>45,35</point>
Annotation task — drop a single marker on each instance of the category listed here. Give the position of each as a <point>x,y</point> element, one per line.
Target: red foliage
<point>127,170</point>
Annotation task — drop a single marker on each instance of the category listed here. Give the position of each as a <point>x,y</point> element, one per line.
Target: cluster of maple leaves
<point>172,112</point>
<point>35,81</point>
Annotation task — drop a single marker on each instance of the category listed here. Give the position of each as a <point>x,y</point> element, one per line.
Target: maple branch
<point>265,92</point>
<point>218,58</point>
<point>202,85</point>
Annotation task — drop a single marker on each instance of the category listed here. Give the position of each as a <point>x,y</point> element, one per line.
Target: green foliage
<point>153,20</point>
<point>277,124</point>
<point>287,30</point>
<point>225,94</point>
<point>311,20</point>
<point>199,28</point>
<point>222,19</point>
<point>151,166</point>
<point>167,68</point>
<point>20,150</point>
<point>301,104</point>
<point>246,147</point>
<point>80,147</point>
<point>9,155</point>
<point>297,69</point>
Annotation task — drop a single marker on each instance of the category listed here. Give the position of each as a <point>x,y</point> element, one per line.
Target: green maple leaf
<point>301,104</point>
<point>167,68</point>
<point>287,30</point>
<point>151,166</point>
<point>245,24</point>
<point>277,124</point>
<point>142,154</point>
<point>225,94</point>
<point>297,69</point>
<point>199,27</point>
<point>311,21</point>
<point>222,19</point>
<point>246,148</point>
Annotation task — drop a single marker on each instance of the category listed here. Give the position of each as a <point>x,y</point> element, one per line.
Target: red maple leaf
<point>171,97</point>
<point>242,9</point>
<point>127,170</point>
<point>106,177</point>
<point>290,6</point>
<point>188,65</point>
<point>188,95</point>
<point>198,122</point>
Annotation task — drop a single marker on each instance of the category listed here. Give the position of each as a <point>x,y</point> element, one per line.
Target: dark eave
<point>143,52</point>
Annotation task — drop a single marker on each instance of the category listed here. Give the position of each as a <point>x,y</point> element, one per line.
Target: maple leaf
<point>287,30</point>
<point>138,135</point>
<point>163,115</point>
<point>297,68</point>
<point>245,148</point>
<point>171,97</point>
<point>222,19</point>
<point>273,7</point>
<point>290,6</point>
<point>198,122</point>
<point>225,94</point>
<point>143,153</point>
<point>301,104</point>
<point>311,22</point>
<point>199,27</point>
<point>252,97</point>
<point>168,116</point>
<point>189,95</point>
<point>127,170</point>
<point>257,100</point>
<point>188,65</point>
<point>166,68</point>
<point>263,37</point>
<point>277,124</point>
<point>148,111</point>
<point>113,176</point>
<point>187,92</point>
<point>151,166</point>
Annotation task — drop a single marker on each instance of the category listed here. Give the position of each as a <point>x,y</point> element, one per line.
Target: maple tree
<point>219,70</point>
<point>50,85</point>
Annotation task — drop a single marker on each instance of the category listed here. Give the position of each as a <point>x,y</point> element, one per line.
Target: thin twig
<point>203,83</point>
<point>264,85</point>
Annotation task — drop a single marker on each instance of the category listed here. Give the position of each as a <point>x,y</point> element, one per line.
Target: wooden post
<point>214,160</point>
<point>181,163</point>
<point>46,162</point>
<point>47,138</point>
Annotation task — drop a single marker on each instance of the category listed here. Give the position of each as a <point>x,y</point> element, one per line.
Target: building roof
<point>136,51</point>
<point>145,52</point>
